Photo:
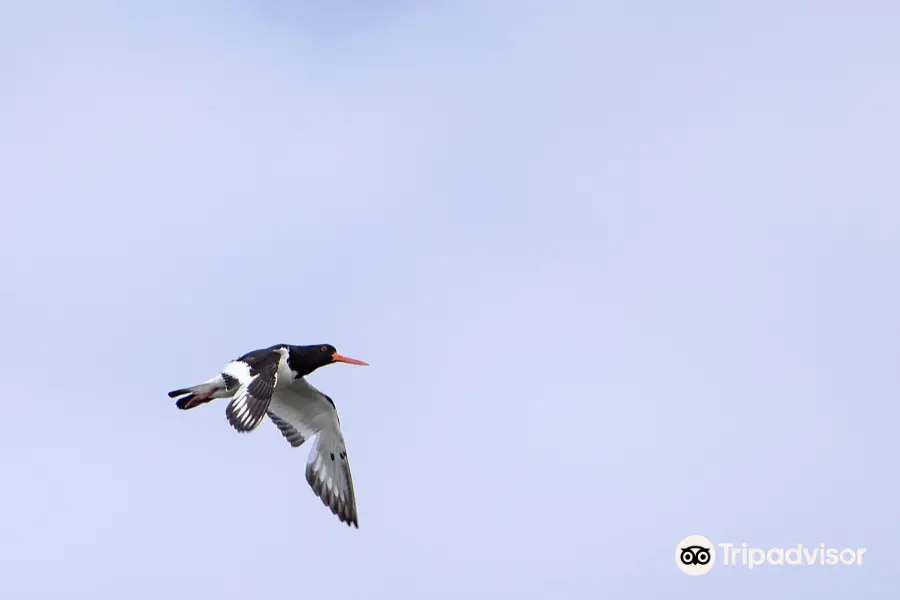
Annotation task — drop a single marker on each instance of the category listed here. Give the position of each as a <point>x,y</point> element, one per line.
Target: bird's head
<point>306,359</point>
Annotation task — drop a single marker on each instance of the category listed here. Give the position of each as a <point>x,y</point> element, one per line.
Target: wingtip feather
<point>245,413</point>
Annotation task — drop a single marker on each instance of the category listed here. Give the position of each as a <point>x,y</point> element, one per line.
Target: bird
<point>252,378</point>
<point>271,382</point>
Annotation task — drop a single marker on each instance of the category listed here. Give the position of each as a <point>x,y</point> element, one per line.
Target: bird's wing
<point>301,412</point>
<point>257,374</point>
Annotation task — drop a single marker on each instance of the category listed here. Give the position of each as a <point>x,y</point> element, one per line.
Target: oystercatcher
<point>271,382</point>
<point>251,380</point>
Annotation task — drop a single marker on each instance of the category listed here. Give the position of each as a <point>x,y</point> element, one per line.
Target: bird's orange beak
<point>346,359</point>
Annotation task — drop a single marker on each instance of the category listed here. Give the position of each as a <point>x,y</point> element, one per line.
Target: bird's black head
<point>306,359</point>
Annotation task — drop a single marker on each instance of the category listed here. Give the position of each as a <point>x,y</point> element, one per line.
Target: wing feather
<point>251,401</point>
<point>301,413</point>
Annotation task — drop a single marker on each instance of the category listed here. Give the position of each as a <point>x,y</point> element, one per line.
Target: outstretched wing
<point>328,474</point>
<point>251,401</point>
<point>302,412</point>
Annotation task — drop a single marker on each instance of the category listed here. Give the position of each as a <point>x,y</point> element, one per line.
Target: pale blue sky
<point>624,272</point>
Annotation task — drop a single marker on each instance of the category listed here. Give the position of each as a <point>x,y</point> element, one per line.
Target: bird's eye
<point>324,348</point>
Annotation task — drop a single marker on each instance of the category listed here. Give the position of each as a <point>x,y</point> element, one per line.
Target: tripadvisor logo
<point>696,555</point>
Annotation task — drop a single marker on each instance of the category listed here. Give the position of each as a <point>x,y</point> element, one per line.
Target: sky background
<point>624,272</point>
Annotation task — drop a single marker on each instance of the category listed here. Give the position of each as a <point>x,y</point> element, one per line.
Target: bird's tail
<point>197,394</point>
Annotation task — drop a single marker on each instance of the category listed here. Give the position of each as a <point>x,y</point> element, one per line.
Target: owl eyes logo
<point>695,555</point>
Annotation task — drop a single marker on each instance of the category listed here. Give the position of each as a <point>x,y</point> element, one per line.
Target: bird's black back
<point>259,359</point>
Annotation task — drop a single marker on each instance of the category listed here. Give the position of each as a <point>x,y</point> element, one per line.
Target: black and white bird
<point>271,381</point>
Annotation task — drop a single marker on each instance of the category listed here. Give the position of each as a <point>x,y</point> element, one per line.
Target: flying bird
<point>271,382</point>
